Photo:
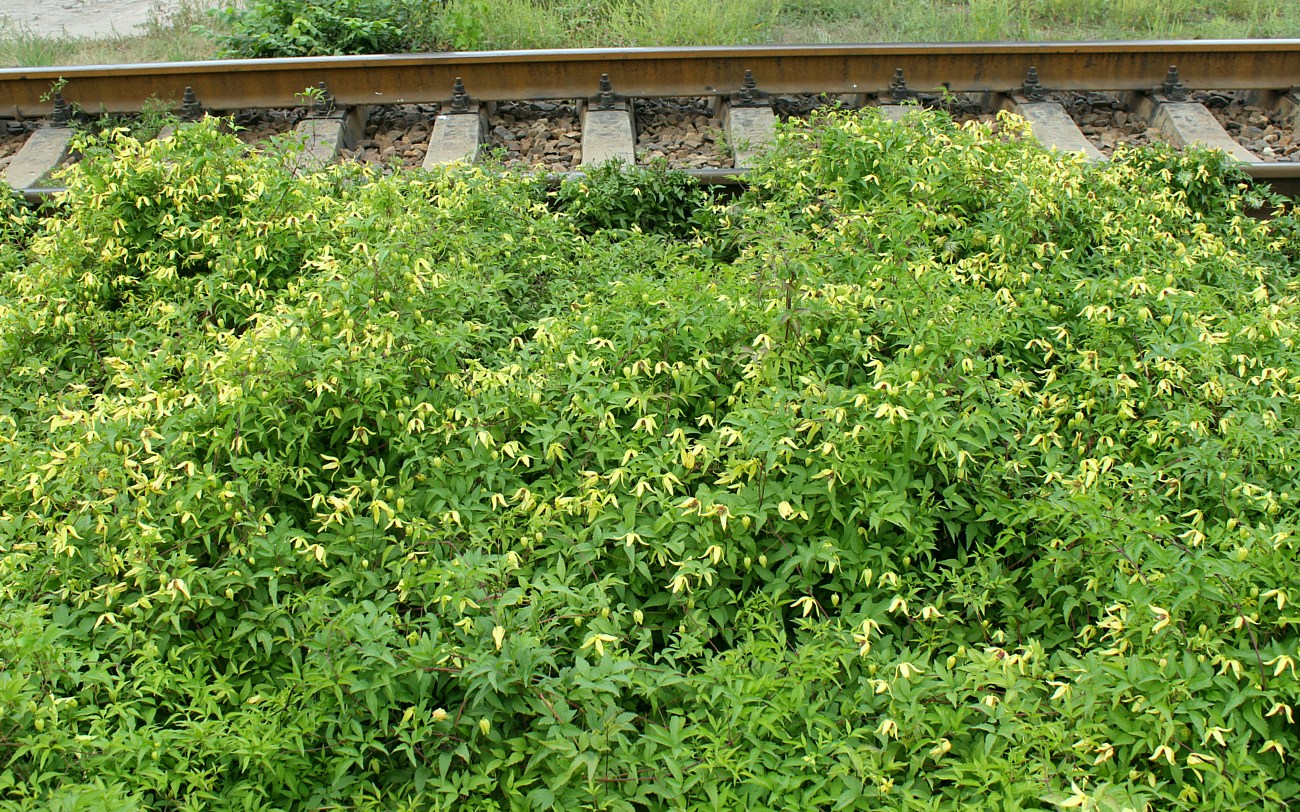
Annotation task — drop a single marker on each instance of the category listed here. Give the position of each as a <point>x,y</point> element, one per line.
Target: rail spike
<point>191,110</point>
<point>62,115</point>
<point>898,90</point>
<point>323,104</point>
<point>1033,89</point>
<point>606,98</point>
<point>749,95</point>
<point>1173,86</point>
<point>460,101</point>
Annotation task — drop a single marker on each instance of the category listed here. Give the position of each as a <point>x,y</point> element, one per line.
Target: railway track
<point>740,89</point>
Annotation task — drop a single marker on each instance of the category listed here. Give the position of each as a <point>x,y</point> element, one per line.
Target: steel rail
<point>646,72</point>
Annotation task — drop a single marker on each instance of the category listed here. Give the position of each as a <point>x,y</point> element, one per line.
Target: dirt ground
<point>81,18</point>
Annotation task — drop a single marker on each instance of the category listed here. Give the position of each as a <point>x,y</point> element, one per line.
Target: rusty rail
<point>645,72</point>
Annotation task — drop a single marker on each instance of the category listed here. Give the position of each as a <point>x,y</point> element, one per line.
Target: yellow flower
<point>943,746</point>
<point>1281,708</point>
<point>599,640</point>
<point>1163,751</point>
<point>1282,662</point>
<point>1162,617</point>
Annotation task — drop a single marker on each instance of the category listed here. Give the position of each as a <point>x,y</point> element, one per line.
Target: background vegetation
<point>296,27</point>
<point>939,471</point>
<point>468,25</point>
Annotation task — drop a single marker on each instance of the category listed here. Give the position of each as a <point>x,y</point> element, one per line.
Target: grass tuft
<point>687,22</point>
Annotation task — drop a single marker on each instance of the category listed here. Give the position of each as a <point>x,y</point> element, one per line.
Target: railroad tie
<point>44,150</point>
<point>608,127</point>
<point>748,120</point>
<point>456,137</point>
<point>896,112</point>
<point>1051,124</point>
<point>1053,127</point>
<point>901,100</point>
<point>328,130</point>
<point>1186,123</point>
<point>458,130</point>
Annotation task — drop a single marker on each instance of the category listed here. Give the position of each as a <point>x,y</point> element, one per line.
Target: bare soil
<point>82,18</point>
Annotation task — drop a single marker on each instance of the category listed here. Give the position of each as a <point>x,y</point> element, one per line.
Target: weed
<point>294,27</point>
<point>940,471</point>
<point>651,199</point>
<point>284,28</point>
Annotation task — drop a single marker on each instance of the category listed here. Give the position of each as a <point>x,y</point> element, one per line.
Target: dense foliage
<point>300,27</point>
<point>614,198</point>
<point>937,471</point>
<point>284,28</point>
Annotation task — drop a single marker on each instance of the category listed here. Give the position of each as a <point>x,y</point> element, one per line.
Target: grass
<point>979,20</point>
<point>464,25</point>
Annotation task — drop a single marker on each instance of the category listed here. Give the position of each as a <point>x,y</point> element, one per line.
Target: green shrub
<point>963,477</point>
<point>614,197</point>
<point>282,28</point>
<point>17,224</point>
